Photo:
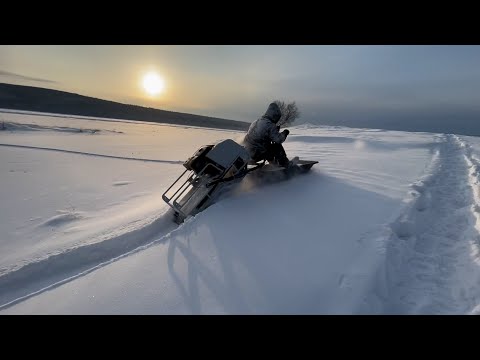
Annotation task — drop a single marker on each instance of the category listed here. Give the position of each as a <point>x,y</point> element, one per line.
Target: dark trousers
<point>275,154</point>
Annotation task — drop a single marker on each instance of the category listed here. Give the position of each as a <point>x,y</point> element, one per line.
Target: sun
<point>153,84</point>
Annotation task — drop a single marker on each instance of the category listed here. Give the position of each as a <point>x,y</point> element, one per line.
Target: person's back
<point>261,134</point>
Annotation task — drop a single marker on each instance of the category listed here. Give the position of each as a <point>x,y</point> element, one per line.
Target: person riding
<point>263,140</point>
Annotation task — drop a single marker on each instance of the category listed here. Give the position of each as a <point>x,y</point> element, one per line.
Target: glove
<point>286,132</point>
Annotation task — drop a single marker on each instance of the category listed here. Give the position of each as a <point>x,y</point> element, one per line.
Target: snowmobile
<point>213,166</point>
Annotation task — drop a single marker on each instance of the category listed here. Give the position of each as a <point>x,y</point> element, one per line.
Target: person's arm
<point>276,135</point>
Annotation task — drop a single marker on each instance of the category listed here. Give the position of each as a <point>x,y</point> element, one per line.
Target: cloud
<point>23,77</point>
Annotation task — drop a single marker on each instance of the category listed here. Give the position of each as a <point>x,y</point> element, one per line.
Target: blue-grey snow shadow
<point>319,220</point>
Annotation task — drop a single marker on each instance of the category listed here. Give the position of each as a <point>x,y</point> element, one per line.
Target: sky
<point>238,82</point>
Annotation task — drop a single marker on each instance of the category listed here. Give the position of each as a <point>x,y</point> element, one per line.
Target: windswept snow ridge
<point>63,217</point>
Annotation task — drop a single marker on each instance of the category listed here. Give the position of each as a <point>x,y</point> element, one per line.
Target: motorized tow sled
<point>211,168</point>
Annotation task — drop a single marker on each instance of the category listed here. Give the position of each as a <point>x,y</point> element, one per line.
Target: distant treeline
<point>29,98</point>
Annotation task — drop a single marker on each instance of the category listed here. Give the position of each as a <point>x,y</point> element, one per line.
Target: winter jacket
<point>263,131</point>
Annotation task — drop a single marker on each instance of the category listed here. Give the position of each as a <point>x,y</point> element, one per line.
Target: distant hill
<point>29,98</point>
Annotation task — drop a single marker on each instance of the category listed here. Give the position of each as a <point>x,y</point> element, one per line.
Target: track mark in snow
<point>432,262</point>
<point>93,154</point>
<point>33,278</point>
<point>122,183</point>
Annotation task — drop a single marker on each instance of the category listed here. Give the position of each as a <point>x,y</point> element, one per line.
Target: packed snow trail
<point>432,257</point>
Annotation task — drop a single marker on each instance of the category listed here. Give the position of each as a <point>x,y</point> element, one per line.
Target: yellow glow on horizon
<point>153,84</point>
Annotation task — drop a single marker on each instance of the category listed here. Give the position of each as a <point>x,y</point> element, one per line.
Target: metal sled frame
<point>193,180</point>
<point>205,173</point>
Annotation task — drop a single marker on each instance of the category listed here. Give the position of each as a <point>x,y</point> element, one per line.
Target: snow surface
<point>388,222</point>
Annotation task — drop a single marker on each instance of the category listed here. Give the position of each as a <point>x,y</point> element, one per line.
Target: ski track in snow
<point>432,256</point>
<point>57,268</point>
<point>176,162</point>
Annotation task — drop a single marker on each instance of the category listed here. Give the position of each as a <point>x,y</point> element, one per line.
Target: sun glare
<point>153,84</point>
